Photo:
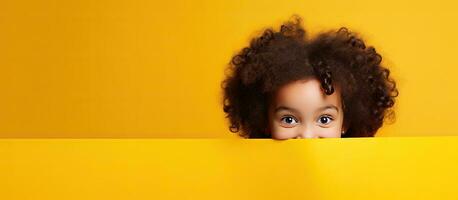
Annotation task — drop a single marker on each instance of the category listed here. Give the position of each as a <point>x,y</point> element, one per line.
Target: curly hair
<point>337,58</point>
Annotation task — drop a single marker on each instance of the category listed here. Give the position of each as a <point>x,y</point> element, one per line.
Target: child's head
<point>285,85</point>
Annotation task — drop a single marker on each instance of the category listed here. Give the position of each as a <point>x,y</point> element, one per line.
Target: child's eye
<point>289,120</point>
<point>325,119</point>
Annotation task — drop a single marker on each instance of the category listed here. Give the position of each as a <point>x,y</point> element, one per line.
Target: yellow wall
<point>153,68</point>
<point>352,168</point>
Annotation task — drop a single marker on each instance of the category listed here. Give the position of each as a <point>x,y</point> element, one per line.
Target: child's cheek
<point>333,132</point>
<point>280,133</point>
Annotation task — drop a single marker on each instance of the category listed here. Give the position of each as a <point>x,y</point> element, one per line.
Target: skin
<point>301,109</point>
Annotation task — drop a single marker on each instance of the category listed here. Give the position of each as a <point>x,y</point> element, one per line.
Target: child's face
<point>302,110</point>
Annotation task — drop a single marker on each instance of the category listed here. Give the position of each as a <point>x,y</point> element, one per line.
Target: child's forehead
<point>305,93</point>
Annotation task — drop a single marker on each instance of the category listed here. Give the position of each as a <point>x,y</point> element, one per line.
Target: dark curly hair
<point>336,58</point>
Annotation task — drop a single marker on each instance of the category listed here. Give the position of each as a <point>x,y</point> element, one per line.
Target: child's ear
<point>344,130</point>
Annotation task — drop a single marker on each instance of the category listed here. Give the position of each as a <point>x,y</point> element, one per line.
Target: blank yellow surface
<point>142,68</point>
<point>356,168</point>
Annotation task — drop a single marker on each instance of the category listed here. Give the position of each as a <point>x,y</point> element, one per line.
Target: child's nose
<point>306,132</point>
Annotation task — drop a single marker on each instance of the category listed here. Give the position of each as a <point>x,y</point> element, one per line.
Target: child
<point>285,85</point>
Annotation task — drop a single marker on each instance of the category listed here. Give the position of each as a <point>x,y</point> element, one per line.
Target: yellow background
<point>134,68</point>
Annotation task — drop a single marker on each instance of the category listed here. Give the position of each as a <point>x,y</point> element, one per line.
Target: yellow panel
<point>142,68</point>
<point>356,168</point>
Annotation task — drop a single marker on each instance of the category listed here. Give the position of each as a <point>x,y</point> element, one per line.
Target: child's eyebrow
<point>281,108</point>
<point>328,107</point>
